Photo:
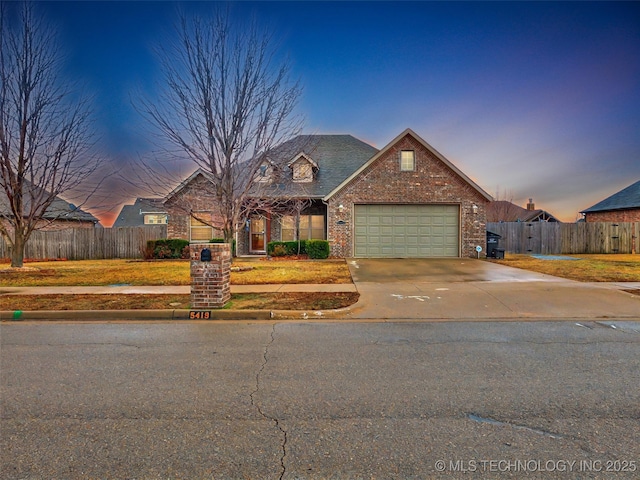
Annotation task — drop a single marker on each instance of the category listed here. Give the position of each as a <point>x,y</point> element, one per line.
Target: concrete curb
<point>166,315</point>
<point>344,315</point>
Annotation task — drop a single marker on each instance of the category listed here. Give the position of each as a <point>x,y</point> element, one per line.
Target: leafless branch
<point>227,102</point>
<point>45,137</point>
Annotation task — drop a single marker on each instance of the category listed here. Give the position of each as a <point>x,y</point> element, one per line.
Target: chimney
<point>531,205</point>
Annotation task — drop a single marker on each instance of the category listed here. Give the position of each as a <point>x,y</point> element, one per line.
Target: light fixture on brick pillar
<point>475,209</point>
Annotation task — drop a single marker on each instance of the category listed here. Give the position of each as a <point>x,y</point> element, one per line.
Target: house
<point>623,206</point>
<point>144,211</point>
<point>405,200</point>
<point>59,215</point>
<point>504,211</point>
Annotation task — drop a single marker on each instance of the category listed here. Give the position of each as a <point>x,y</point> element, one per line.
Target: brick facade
<point>194,197</point>
<point>629,215</point>
<point>431,182</point>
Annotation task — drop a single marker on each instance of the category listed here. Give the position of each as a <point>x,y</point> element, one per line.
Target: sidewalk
<point>461,301</point>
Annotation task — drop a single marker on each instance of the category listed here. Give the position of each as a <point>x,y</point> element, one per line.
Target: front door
<point>258,224</point>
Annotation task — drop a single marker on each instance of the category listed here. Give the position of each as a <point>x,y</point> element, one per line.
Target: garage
<point>406,231</point>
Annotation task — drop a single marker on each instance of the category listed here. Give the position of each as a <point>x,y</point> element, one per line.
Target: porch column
<point>210,276</point>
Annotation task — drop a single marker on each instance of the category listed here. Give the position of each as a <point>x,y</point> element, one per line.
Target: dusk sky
<point>537,100</point>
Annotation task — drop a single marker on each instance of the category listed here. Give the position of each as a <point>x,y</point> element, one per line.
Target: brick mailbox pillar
<point>210,276</point>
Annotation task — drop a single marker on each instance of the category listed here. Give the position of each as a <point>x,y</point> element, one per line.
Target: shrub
<point>318,249</point>
<point>166,248</point>
<point>287,248</point>
<point>279,250</point>
<point>147,251</point>
<point>162,251</point>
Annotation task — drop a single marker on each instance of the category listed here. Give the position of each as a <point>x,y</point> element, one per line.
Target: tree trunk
<point>228,232</point>
<point>17,250</point>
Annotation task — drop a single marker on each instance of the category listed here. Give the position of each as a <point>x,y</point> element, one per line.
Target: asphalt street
<point>315,400</point>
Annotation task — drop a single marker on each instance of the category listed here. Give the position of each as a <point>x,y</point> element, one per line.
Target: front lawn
<point>170,272</point>
<point>584,268</point>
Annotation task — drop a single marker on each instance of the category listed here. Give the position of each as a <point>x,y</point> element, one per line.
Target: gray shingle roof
<point>61,210</point>
<point>504,211</point>
<point>133,215</point>
<point>58,210</point>
<point>337,157</point>
<point>626,198</point>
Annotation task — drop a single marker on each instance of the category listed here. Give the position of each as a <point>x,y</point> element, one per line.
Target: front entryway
<point>258,225</point>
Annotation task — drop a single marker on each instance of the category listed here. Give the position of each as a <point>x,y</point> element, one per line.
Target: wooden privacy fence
<point>89,243</point>
<point>549,238</point>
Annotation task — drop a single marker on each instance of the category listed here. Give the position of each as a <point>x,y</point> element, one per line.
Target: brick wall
<point>431,182</point>
<point>196,197</point>
<point>210,281</point>
<point>630,215</point>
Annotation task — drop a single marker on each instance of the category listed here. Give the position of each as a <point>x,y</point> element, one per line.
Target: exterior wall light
<point>475,209</point>
<point>341,208</point>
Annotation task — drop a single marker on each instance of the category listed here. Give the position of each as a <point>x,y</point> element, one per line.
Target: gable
<point>186,185</point>
<point>303,168</point>
<point>431,170</point>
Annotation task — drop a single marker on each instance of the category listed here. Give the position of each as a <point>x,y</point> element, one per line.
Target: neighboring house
<point>145,211</point>
<point>59,215</point>
<point>504,211</point>
<point>405,200</point>
<point>623,206</point>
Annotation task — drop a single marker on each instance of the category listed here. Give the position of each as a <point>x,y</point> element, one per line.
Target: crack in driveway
<point>254,403</point>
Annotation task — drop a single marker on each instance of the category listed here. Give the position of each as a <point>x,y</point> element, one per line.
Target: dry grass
<point>173,272</point>
<point>98,272</point>
<point>291,271</point>
<point>170,272</point>
<point>589,268</point>
<point>257,301</point>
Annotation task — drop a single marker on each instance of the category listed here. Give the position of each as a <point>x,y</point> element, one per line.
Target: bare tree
<point>44,128</point>
<point>227,101</point>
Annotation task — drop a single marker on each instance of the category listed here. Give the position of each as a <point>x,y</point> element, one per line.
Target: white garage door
<point>407,231</point>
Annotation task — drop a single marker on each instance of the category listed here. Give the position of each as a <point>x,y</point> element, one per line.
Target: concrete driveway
<point>468,289</point>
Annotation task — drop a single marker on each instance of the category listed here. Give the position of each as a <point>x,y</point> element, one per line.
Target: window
<point>311,227</point>
<point>264,173</point>
<point>200,231</point>
<point>407,160</point>
<point>288,228</point>
<point>302,171</point>
<point>159,219</point>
